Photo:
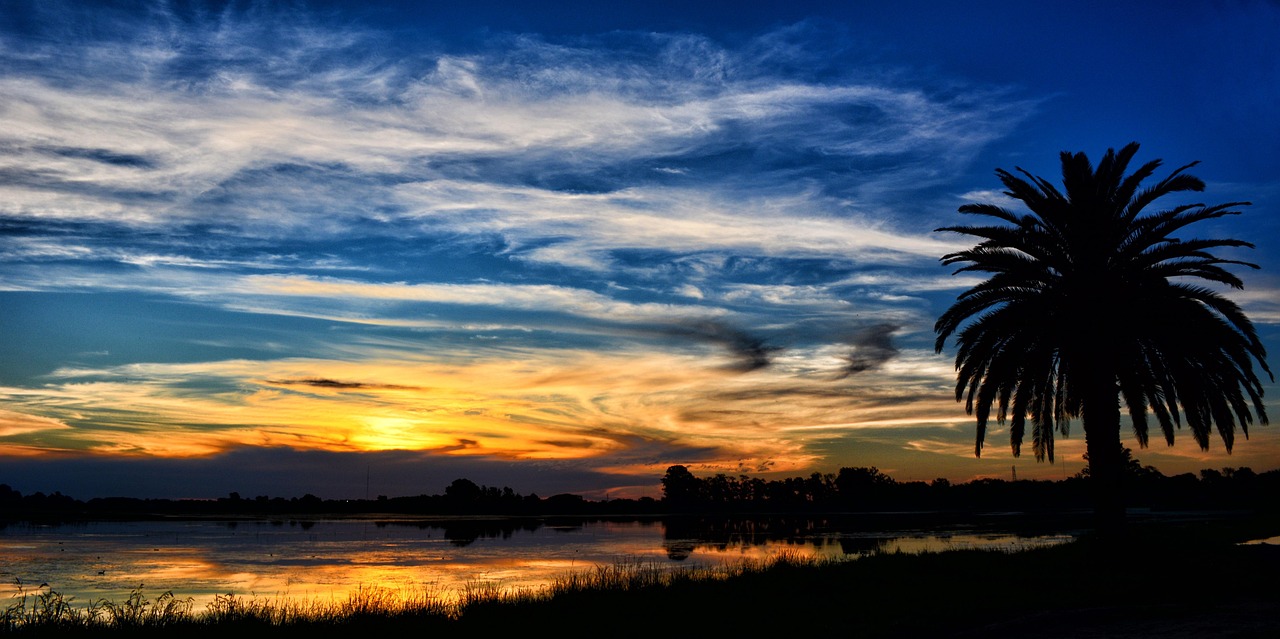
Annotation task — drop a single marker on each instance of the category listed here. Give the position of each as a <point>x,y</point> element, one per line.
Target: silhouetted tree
<point>463,491</point>
<point>9,496</point>
<point>679,487</point>
<point>1081,309</point>
<point>863,487</point>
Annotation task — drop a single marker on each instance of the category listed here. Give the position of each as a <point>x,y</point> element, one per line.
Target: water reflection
<point>1269,541</point>
<point>836,537</point>
<point>327,559</point>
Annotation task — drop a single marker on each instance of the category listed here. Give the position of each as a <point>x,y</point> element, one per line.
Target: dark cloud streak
<point>872,347</point>
<point>337,385</point>
<point>751,352</point>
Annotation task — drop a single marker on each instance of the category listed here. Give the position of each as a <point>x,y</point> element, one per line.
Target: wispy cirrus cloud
<point>181,122</point>
<point>625,250</point>
<point>15,423</point>
<point>223,143</point>
<point>508,404</point>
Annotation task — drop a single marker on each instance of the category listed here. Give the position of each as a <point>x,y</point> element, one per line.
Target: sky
<point>353,249</point>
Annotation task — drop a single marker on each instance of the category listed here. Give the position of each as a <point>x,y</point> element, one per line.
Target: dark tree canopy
<point>1091,299</point>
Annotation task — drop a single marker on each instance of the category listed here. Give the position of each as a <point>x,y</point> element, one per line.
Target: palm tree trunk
<point>1101,413</point>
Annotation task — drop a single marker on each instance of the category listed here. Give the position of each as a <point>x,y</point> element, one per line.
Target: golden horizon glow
<point>274,239</point>
<point>532,405</point>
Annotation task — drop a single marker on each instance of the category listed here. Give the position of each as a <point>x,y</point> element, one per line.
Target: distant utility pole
<point>1015,472</point>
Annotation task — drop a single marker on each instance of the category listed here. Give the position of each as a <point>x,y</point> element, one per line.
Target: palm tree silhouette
<point>1091,300</point>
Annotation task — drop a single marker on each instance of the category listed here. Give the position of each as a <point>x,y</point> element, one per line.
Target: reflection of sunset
<point>329,560</point>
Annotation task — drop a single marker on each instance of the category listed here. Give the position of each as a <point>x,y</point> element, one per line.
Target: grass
<point>1168,574</point>
<point>43,611</point>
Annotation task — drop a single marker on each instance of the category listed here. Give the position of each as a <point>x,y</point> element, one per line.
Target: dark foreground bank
<point>1162,580</point>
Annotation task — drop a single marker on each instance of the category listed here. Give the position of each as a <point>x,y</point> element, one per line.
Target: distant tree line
<point>850,490</point>
<point>461,497</point>
<point>867,489</point>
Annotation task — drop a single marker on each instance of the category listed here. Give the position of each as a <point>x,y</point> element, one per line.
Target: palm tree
<point>1092,300</point>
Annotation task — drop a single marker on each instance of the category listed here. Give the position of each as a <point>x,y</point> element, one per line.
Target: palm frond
<point>1087,284</point>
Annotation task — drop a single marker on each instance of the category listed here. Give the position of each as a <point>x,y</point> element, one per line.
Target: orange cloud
<point>14,423</point>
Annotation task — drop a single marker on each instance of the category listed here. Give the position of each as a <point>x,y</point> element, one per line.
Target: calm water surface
<point>328,559</point>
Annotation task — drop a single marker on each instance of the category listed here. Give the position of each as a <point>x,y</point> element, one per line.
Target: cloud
<point>1259,301</point>
<point>503,402</point>
<point>560,299</point>
<point>872,347</point>
<point>274,135</point>
<point>908,282</point>
<point>336,385</point>
<point>552,251</point>
<point>16,423</point>
<point>750,352</point>
<point>991,196</point>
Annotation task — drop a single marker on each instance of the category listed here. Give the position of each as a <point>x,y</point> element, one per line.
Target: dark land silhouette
<point>849,491</point>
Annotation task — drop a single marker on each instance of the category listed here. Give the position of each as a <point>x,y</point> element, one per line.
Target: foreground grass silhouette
<point>1189,580</point>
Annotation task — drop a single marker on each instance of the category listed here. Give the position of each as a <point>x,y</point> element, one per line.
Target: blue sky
<point>282,247</point>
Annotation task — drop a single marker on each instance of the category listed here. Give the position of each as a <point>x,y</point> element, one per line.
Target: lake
<point>308,560</point>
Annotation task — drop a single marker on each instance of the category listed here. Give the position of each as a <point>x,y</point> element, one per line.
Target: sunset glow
<point>286,249</point>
